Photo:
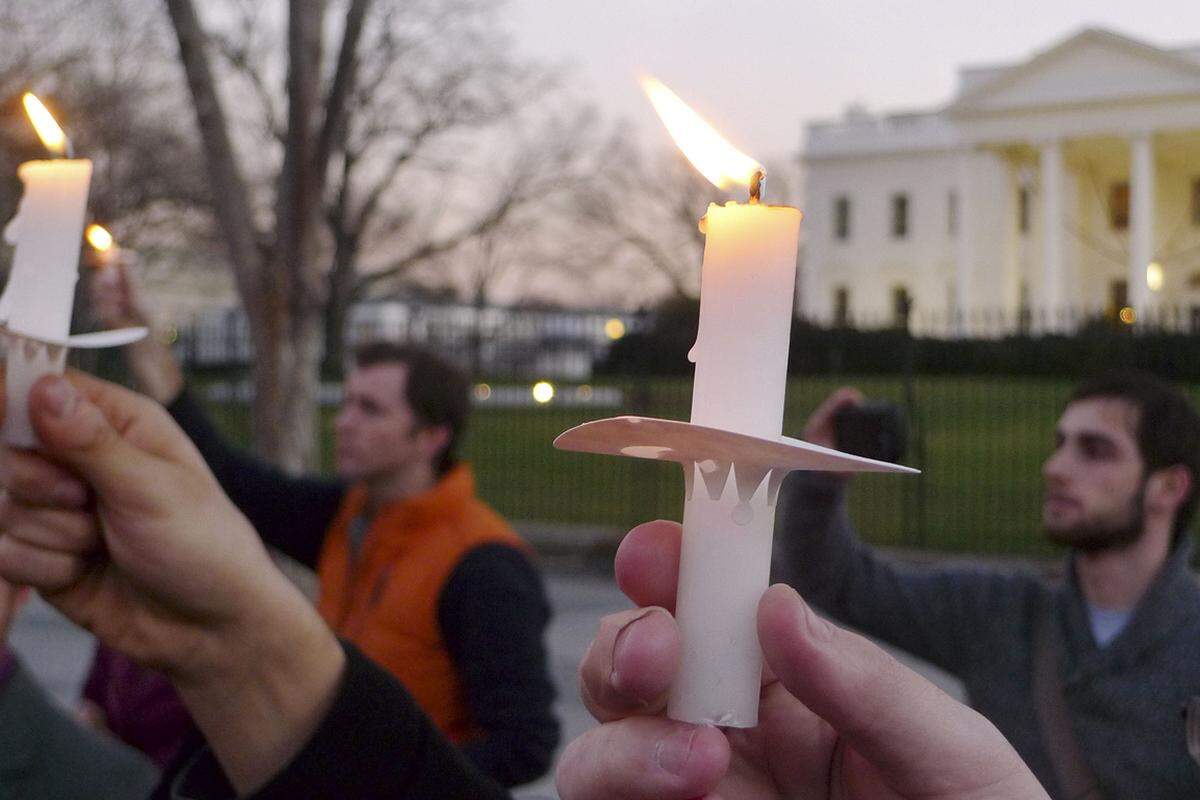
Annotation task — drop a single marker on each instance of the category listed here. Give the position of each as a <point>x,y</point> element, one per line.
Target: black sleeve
<point>493,614</point>
<point>374,743</point>
<point>290,513</point>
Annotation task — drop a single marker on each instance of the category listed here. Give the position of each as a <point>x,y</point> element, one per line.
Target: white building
<point>1070,180</point>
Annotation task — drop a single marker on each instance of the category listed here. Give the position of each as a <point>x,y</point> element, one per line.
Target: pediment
<point>1094,66</point>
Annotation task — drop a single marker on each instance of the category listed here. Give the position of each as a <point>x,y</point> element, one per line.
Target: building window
<point>1118,297</point>
<point>1024,309</point>
<point>841,218</point>
<point>1118,206</point>
<point>1023,203</point>
<point>901,306</point>
<point>1196,201</point>
<point>952,213</point>
<point>841,306</point>
<point>899,216</point>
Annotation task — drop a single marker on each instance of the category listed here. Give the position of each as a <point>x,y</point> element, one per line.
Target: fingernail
<point>60,397</point>
<point>673,752</point>
<point>614,678</point>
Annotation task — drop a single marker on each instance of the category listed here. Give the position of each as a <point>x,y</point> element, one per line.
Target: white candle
<point>746,289</point>
<point>38,299</point>
<point>746,286</point>
<point>48,233</point>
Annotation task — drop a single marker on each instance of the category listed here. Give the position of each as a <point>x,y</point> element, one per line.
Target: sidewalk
<point>59,653</point>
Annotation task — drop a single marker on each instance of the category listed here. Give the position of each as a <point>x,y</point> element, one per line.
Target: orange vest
<point>386,602</point>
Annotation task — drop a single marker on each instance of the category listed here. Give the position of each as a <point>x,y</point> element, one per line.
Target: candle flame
<point>716,159</point>
<point>99,237</point>
<point>43,122</point>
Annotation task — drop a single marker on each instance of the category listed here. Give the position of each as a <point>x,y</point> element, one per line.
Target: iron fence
<point>980,413</point>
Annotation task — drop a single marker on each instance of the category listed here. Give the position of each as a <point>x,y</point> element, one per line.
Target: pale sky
<point>757,69</point>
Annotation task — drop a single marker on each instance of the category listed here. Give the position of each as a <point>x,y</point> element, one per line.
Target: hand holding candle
<point>732,452</point>
<point>36,306</point>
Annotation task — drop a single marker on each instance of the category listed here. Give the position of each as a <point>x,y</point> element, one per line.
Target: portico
<point>1071,184</point>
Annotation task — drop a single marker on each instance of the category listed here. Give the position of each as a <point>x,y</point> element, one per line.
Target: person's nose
<point>1056,469</point>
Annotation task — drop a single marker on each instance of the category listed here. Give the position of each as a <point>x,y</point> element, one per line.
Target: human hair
<point>437,391</point>
<point>1168,427</point>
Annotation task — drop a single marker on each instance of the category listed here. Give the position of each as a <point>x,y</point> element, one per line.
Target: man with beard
<point>1085,677</point>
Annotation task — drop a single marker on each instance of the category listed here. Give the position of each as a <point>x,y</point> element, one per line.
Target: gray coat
<point>45,755</point>
<point>1124,699</point>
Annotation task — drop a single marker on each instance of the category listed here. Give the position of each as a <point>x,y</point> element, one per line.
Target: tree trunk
<point>230,197</point>
<point>343,291</point>
<point>279,282</point>
<point>288,312</point>
<point>286,382</point>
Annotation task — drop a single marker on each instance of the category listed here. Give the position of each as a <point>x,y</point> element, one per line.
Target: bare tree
<point>277,276</point>
<point>646,213</point>
<point>376,164</point>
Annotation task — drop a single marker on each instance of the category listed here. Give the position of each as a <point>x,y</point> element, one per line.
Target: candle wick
<point>68,148</point>
<point>756,184</point>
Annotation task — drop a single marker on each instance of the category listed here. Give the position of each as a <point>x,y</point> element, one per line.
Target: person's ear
<point>434,439</point>
<point>1169,487</point>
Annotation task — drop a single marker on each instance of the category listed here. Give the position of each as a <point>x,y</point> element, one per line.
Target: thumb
<point>891,715</point>
<point>74,430</point>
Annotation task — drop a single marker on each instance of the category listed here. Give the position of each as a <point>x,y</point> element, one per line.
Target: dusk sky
<point>757,69</point>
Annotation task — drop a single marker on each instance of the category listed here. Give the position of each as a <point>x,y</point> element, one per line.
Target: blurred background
<point>998,201</point>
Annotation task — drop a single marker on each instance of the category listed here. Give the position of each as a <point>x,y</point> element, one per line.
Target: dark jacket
<point>1124,700</point>
<point>46,755</point>
<point>373,744</point>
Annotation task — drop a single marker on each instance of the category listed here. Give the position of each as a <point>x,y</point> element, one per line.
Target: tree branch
<point>333,128</point>
<point>231,201</point>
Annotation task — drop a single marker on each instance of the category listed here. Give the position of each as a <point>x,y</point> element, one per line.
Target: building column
<point>1141,217</point>
<point>1050,164</point>
<point>959,325</point>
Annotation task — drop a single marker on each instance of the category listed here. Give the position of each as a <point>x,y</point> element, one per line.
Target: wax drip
<point>715,473</point>
<point>689,478</point>
<point>748,478</point>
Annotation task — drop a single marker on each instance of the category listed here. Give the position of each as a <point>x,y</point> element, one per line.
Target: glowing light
<point>614,329</point>
<point>98,237</point>
<point>482,392</point>
<point>1127,315</point>
<point>716,159</point>
<point>43,122</point>
<point>543,392</point>
<point>1154,276</point>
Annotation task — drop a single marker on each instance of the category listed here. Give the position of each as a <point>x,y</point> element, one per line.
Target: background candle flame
<point>43,122</point>
<point>99,237</point>
<point>716,159</point>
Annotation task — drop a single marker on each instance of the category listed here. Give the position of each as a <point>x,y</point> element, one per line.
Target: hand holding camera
<point>846,421</point>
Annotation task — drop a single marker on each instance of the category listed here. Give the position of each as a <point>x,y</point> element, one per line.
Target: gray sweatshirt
<point>1124,699</point>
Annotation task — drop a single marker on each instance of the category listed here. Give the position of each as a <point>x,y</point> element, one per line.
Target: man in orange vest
<point>414,569</point>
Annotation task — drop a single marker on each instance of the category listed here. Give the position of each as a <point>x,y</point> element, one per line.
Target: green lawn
<point>979,440</point>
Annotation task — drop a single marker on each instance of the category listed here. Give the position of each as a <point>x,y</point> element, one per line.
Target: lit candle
<point>104,247</point>
<point>36,306</point>
<point>733,455</point>
<point>746,287</point>
<point>47,232</point>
